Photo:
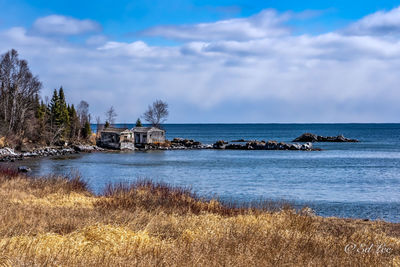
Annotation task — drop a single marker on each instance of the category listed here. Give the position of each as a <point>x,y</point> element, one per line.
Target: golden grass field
<point>57,221</point>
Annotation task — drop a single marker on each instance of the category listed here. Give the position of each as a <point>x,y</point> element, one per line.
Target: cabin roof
<point>146,129</point>
<point>114,130</point>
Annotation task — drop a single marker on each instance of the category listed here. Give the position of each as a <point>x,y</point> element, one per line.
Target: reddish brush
<point>9,172</point>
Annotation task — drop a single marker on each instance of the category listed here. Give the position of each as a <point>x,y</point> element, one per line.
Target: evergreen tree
<point>86,131</point>
<point>64,116</point>
<point>41,112</point>
<point>37,106</point>
<point>55,109</point>
<point>74,122</point>
<point>59,115</point>
<point>139,123</point>
<point>107,124</point>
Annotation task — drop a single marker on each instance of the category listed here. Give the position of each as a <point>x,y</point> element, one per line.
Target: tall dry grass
<point>57,221</point>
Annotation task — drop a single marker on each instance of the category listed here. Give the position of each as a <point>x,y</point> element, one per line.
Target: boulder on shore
<point>86,148</point>
<point>24,169</point>
<point>309,137</point>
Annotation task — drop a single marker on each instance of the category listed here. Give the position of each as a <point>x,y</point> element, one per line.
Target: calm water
<point>359,180</point>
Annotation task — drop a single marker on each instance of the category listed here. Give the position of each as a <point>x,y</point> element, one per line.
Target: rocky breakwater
<point>309,137</point>
<point>178,144</point>
<point>262,145</point>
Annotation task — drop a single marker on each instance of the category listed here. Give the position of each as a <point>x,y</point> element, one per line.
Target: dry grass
<point>56,221</point>
<point>2,142</point>
<point>93,138</point>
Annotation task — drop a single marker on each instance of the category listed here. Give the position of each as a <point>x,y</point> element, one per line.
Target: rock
<point>307,146</point>
<point>180,143</point>
<point>257,145</point>
<point>24,169</point>
<point>221,144</point>
<point>176,144</point>
<point>127,146</point>
<point>234,146</point>
<point>29,154</point>
<point>240,141</point>
<point>85,148</point>
<point>306,211</point>
<point>309,137</point>
<point>7,152</point>
<point>272,145</point>
<point>296,147</point>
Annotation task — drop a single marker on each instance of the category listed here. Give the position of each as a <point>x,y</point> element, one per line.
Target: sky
<point>215,61</point>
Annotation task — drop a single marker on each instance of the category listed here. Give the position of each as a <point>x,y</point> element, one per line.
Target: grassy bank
<point>57,221</point>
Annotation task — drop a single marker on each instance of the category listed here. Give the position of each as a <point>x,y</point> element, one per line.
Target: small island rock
<point>309,137</point>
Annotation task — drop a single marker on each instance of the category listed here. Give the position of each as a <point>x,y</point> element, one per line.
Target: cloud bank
<point>267,23</point>
<point>239,70</point>
<point>62,25</point>
<point>379,23</point>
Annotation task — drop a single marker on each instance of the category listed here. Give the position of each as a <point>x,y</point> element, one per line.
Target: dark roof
<point>114,130</point>
<point>146,129</point>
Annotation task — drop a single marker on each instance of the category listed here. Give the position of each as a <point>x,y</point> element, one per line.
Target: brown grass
<point>57,221</point>
<point>3,142</point>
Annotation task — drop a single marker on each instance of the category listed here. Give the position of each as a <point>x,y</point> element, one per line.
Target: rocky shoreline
<point>10,155</point>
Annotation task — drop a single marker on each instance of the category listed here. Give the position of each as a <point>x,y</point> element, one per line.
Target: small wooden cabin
<point>148,135</point>
<point>117,138</point>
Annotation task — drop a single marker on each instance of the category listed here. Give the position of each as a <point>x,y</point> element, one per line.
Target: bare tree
<point>83,112</point>
<point>157,113</point>
<point>111,115</point>
<point>99,127</point>
<point>18,91</point>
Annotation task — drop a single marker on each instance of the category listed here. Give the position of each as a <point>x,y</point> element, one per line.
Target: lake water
<point>359,180</point>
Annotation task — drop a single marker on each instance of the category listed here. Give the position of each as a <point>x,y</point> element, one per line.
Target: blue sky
<point>121,17</point>
<point>215,61</point>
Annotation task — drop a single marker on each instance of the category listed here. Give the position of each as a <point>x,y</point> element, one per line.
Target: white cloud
<point>98,39</point>
<point>379,23</point>
<point>62,25</point>
<point>138,49</point>
<point>264,24</point>
<point>330,77</point>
